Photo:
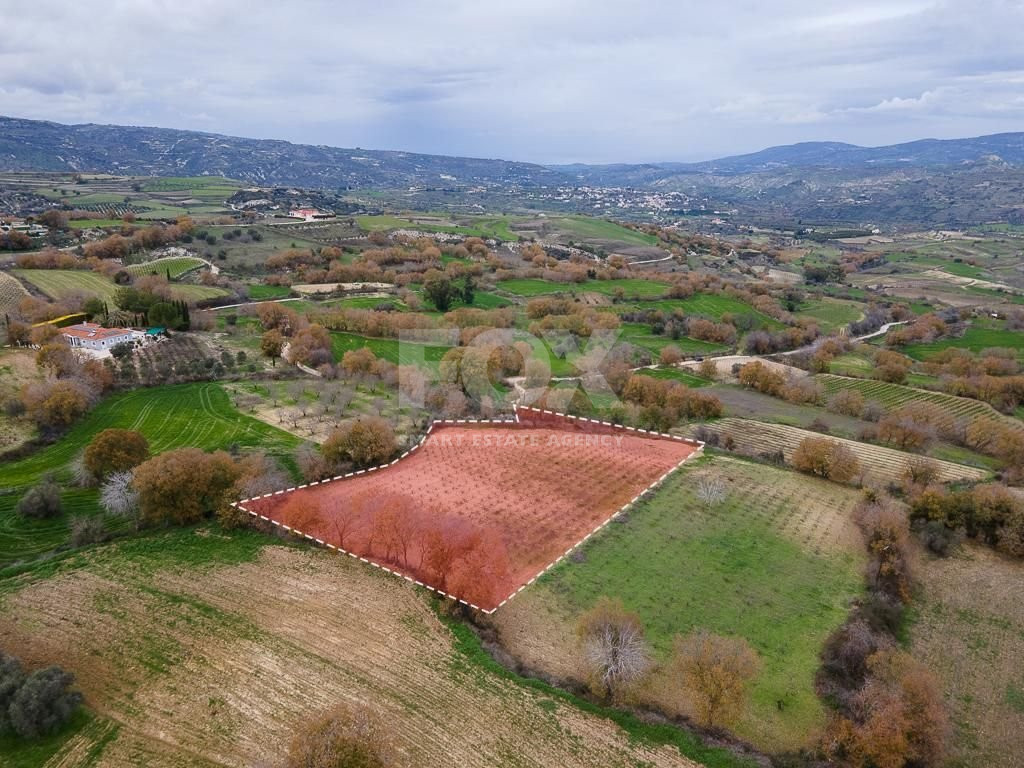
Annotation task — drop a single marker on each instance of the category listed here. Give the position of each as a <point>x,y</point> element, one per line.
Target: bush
<point>364,442</point>
<point>41,501</point>
<point>43,703</point>
<point>11,679</point>
<point>826,458</point>
<point>345,736</point>
<point>115,450</point>
<point>87,530</point>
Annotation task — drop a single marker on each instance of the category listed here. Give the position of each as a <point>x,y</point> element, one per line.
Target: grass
<point>199,415</point>
<point>637,287</point>
<point>831,313</point>
<point>190,292</point>
<point>974,339</point>
<point>90,223</point>
<point>400,353</point>
<point>60,284</point>
<point>640,335</point>
<point>34,753</point>
<point>730,570</point>
<point>675,374</point>
<point>264,292</point>
<point>589,228</point>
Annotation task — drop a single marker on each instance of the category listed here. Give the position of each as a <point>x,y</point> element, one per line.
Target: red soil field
<point>478,510</point>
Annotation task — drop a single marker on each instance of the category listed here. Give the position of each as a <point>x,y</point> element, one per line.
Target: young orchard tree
<point>614,647</point>
<point>714,673</point>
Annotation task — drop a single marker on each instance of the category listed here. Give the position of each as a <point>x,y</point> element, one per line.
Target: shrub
<point>43,703</point>
<point>849,402</point>
<point>87,530</point>
<point>364,442</point>
<point>345,736</point>
<point>183,485</point>
<point>41,501</point>
<point>11,678</point>
<point>115,450</point>
<point>714,673</point>
<point>826,458</point>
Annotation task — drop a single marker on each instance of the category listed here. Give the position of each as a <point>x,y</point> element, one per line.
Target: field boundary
<point>430,428</point>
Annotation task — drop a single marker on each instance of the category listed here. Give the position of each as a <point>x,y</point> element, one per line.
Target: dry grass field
<point>969,629</point>
<point>202,649</point>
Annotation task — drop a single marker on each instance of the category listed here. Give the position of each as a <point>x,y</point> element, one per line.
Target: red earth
<point>478,510</point>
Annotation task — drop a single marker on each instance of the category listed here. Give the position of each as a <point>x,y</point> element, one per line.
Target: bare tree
<point>119,497</point>
<point>614,648</point>
<point>711,490</point>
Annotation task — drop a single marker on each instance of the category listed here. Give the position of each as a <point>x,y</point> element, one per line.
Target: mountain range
<point>931,182</point>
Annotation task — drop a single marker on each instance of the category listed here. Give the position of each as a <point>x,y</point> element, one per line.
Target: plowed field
<point>480,509</point>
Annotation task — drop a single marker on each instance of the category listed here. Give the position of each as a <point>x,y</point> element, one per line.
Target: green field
<point>831,313</point>
<point>974,339</point>
<point>400,353</point>
<point>675,374</point>
<point>61,284</point>
<point>90,223</point>
<point>199,415</point>
<point>631,287</point>
<point>640,335</point>
<point>264,292</point>
<point>589,228</point>
<point>175,265</point>
<point>892,396</point>
<point>763,566</point>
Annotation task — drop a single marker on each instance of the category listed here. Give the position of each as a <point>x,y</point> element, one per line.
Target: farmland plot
<point>878,462</point>
<point>893,396</point>
<point>11,292</point>
<point>505,489</point>
<point>776,563</point>
<point>197,647</point>
<point>176,266</point>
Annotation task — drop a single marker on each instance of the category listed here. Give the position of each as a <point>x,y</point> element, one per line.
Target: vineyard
<point>479,510</point>
<point>60,284</point>
<point>175,265</point>
<point>199,415</point>
<point>878,462</point>
<point>11,292</point>
<point>776,562</point>
<point>893,396</point>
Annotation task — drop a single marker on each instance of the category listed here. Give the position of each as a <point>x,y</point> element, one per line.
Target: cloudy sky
<point>539,80</point>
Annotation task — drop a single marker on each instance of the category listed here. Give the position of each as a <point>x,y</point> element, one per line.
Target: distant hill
<point>930,183</point>
<point>1001,149</point>
<point>33,145</point>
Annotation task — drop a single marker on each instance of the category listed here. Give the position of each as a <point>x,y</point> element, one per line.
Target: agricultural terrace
<point>631,287</point>
<point>878,462</point>
<point>975,339</point>
<point>777,562</point>
<point>196,415</point>
<point>480,509</point>
<point>11,292</point>
<point>176,266</point>
<point>61,284</point>
<point>893,396</point>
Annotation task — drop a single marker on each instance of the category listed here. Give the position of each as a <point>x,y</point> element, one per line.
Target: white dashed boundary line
<point>430,428</point>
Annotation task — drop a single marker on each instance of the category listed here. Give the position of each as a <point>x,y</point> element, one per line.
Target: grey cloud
<point>524,79</point>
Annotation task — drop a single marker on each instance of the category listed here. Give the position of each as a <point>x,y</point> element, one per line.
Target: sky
<point>549,81</point>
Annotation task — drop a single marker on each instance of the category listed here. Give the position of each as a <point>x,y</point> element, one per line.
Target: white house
<point>96,337</point>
